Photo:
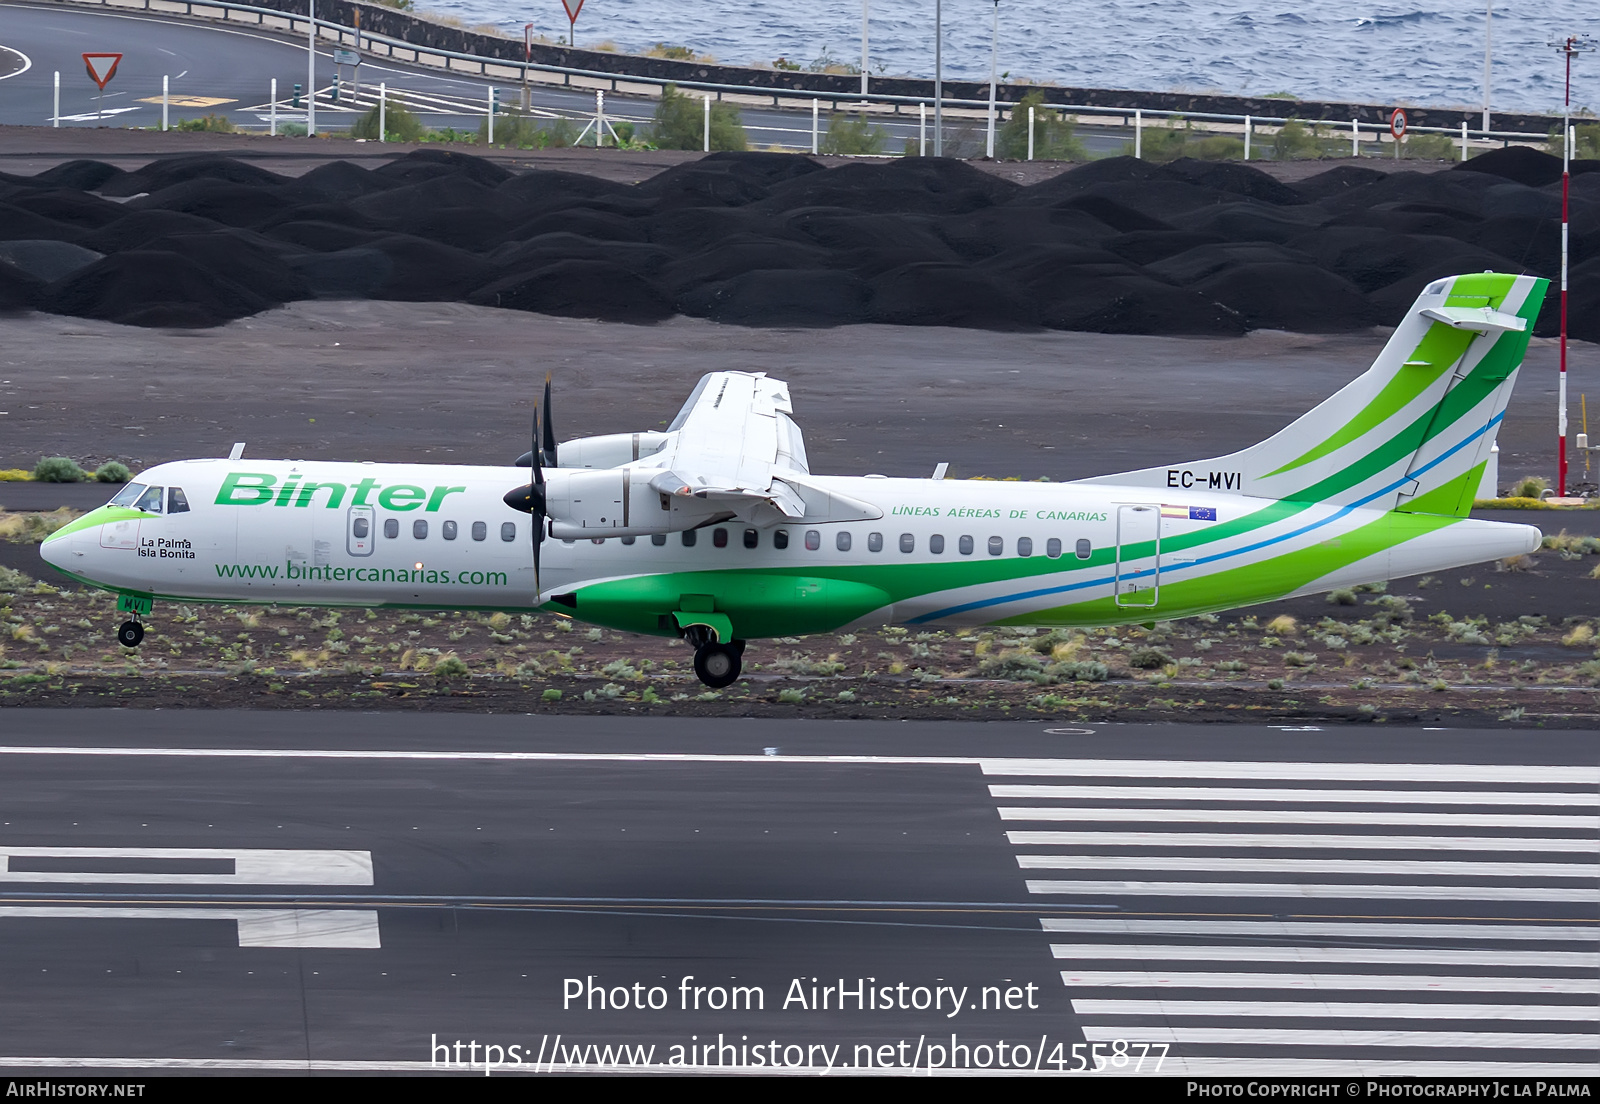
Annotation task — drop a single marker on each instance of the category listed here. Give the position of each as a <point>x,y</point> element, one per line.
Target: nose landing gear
<point>130,634</point>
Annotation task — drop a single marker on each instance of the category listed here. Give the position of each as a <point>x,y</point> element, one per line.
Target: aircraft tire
<point>718,665</point>
<point>130,634</point>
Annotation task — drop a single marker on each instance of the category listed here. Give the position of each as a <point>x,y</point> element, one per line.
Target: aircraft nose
<point>56,547</point>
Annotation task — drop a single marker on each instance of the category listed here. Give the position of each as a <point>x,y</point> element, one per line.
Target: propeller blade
<point>550,456</point>
<point>537,518</point>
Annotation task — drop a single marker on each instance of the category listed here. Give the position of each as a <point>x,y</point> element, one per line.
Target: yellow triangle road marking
<point>189,101</point>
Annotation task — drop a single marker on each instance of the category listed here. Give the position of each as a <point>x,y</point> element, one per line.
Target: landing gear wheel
<point>130,634</point>
<point>718,665</point>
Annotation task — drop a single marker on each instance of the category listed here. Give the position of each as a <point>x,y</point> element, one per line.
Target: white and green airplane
<point>717,531</point>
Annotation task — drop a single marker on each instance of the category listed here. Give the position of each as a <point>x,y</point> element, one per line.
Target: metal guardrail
<point>524,71</point>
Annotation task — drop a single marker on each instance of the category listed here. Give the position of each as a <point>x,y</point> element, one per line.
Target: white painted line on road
<point>1180,979</point>
<point>1268,1036</point>
<point>1302,771</point>
<point>1352,956</point>
<point>1231,864</point>
<point>1550,1013</point>
<point>1309,797</point>
<point>87,116</point>
<point>27,62</point>
<point>1337,928</point>
<point>251,866</point>
<point>1318,892</point>
<point>1300,816</point>
<point>345,928</point>
<point>1299,841</point>
<point>1133,768</point>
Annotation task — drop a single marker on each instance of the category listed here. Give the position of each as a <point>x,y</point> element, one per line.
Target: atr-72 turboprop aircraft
<point>717,531</point>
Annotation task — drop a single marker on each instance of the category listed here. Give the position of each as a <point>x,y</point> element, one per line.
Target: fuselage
<point>942,553</point>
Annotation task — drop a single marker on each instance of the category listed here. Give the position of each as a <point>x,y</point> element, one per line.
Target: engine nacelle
<point>610,450</point>
<point>618,502</point>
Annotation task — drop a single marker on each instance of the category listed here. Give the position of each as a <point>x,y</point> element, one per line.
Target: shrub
<point>1162,143</point>
<point>450,667</point>
<point>1530,486</point>
<point>551,694</point>
<point>1054,135</point>
<point>1295,141</point>
<point>1430,147</point>
<point>399,125</point>
<point>1587,142</point>
<point>1148,659</point>
<point>1342,596</point>
<point>15,475</point>
<point>680,123</point>
<point>514,130</point>
<point>1082,671</point>
<point>216,124</point>
<point>292,130</point>
<point>1282,625</point>
<point>58,469</point>
<point>793,697</point>
<point>851,134</point>
<point>112,472</point>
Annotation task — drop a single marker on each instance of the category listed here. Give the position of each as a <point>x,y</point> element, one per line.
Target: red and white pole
<point>1566,181</point>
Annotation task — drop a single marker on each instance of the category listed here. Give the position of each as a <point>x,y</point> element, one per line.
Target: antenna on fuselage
<point>238,450</point>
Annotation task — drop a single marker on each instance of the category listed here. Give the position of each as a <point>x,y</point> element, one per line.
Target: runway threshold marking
<point>322,928</point>
<point>251,866</point>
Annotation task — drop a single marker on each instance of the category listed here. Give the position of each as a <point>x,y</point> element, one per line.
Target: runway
<point>318,892</point>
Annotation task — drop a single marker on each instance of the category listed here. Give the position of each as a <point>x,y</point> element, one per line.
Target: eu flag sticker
<point>1202,513</point>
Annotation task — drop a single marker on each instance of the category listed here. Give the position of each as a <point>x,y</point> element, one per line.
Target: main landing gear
<point>130,634</point>
<point>717,664</point>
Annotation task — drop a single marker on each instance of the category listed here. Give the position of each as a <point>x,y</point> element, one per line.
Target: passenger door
<point>1138,555</point>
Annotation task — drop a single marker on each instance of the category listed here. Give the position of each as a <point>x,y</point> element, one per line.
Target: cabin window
<point>128,495</point>
<point>936,544</point>
<point>842,541</point>
<point>997,546</point>
<point>628,540</point>
<point>1024,546</point>
<point>361,528</point>
<point>150,501</point>
<point>752,538</point>
<point>813,540</point>
<point>448,530</point>
<point>689,537</point>
<point>908,542</point>
<point>508,531</point>
<point>419,529</point>
<point>874,542</point>
<point>1052,548</point>
<point>780,539</point>
<point>658,539</point>
<point>391,528</point>
<point>480,530</point>
<point>719,538</point>
<point>177,501</point>
<point>1084,548</point>
<point>965,545</point>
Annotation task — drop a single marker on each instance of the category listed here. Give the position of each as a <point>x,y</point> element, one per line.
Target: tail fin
<point>1414,431</point>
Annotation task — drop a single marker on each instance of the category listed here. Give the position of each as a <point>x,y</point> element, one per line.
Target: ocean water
<point>1361,50</point>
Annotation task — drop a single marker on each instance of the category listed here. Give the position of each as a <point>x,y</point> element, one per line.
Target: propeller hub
<point>527,499</point>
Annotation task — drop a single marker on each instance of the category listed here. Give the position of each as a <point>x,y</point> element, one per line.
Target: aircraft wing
<point>734,440</point>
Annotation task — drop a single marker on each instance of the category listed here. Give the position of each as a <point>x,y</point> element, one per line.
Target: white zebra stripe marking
<point>1301,816</point>
<point>1455,1040</point>
<point>1230,865</point>
<point>1412,983</point>
<point>1307,797</point>
<point>1548,1013</point>
<point>1306,772</point>
<point>1296,841</point>
<point>1318,956</point>
<point>1339,929</point>
<point>1316,892</point>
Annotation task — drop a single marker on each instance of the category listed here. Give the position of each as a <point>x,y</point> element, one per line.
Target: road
<point>349,891</point>
<point>229,70</point>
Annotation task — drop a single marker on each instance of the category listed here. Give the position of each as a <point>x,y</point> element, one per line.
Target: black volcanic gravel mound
<point>152,288</point>
<point>766,239</point>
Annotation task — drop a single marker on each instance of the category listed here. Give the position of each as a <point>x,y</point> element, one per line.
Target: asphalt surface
<point>1355,928</point>
<point>231,69</point>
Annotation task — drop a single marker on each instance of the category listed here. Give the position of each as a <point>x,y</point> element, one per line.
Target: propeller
<point>543,443</point>
<point>549,444</point>
<point>530,499</point>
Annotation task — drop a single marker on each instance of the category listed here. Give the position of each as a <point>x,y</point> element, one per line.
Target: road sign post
<point>101,68</point>
<point>573,8</point>
<point>527,58</point>
<point>1397,127</point>
<point>272,110</point>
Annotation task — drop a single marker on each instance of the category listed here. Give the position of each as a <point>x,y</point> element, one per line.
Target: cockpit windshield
<point>150,501</point>
<point>128,495</point>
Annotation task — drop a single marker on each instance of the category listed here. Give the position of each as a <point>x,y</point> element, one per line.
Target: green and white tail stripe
<point>1428,408</point>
